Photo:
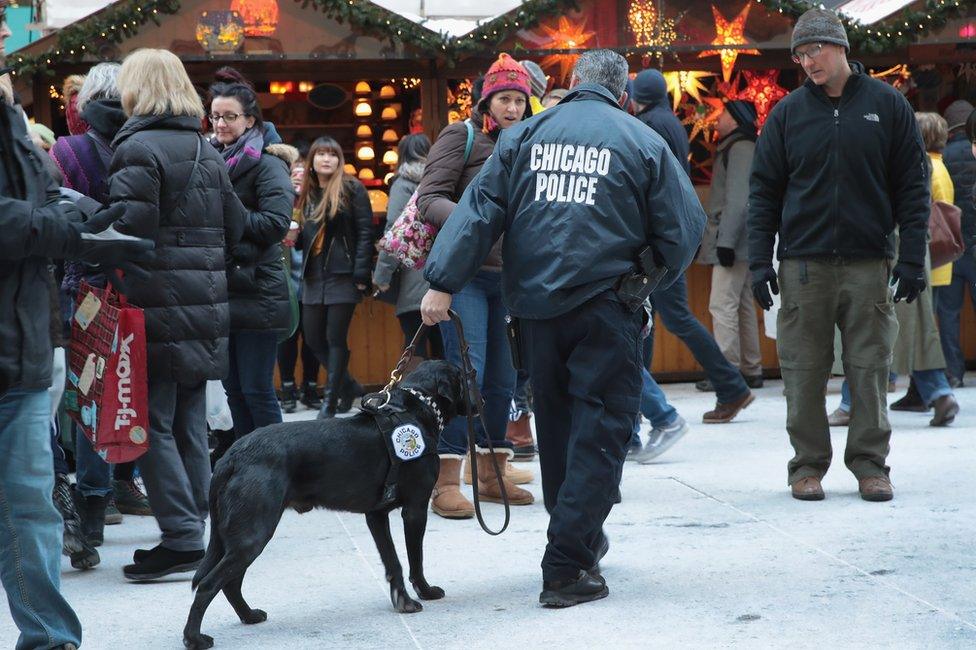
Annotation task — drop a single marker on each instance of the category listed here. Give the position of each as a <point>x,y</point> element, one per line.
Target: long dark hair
<point>244,94</point>
<point>412,148</point>
<point>332,196</point>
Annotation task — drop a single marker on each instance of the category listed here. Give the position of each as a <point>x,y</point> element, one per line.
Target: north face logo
<point>872,117</point>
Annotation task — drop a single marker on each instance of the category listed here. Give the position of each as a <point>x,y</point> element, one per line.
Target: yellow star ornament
<point>729,32</point>
<point>685,81</point>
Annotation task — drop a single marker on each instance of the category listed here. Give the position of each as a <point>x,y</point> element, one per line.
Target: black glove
<point>908,280</point>
<point>726,256</point>
<point>764,281</point>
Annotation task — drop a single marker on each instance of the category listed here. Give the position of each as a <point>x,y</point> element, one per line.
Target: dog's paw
<point>404,604</point>
<point>198,642</point>
<point>255,616</point>
<point>426,591</point>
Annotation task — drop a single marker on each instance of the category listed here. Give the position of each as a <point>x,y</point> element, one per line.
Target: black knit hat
<point>743,112</point>
<point>819,26</point>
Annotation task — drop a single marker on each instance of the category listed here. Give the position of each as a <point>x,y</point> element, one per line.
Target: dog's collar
<point>429,402</point>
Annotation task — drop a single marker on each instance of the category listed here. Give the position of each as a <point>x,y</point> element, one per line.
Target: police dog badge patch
<point>408,442</point>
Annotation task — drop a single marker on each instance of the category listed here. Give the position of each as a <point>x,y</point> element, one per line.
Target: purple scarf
<point>243,154</point>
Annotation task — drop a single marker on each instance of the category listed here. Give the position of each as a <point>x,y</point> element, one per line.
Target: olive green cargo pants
<point>854,295</point>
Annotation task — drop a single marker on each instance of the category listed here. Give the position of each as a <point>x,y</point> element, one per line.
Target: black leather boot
<point>912,401</point>
<point>74,544</point>
<point>289,397</point>
<point>310,395</point>
<point>338,365</point>
<point>92,511</point>
<point>351,390</point>
<point>566,593</point>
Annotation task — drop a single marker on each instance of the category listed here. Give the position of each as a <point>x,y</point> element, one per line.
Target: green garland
<point>112,25</point>
<point>896,32</point>
<point>372,19</point>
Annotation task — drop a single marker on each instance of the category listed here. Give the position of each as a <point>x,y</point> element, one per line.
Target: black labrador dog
<point>339,464</point>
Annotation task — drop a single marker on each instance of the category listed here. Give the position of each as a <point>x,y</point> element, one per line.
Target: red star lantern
<point>729,32</point>
<point>566,36</point>
<point>762,90</point>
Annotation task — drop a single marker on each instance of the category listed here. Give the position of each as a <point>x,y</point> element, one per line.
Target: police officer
<point>838,165</point>
<point>580,191</point>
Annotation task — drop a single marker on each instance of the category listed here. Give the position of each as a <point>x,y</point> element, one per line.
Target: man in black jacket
<point>731,391</point>
<point>838,165</point>
<point>958,158</point>
<point>578,191</point>
<point>35,226</point>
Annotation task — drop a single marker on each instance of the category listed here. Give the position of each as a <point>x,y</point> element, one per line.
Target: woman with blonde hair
<point>177,192</point>
<point>337,239</point>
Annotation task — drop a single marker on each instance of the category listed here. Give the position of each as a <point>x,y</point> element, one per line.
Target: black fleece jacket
<point>834,182</point>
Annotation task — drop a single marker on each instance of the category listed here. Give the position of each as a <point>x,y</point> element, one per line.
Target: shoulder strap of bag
<point>470,142</point>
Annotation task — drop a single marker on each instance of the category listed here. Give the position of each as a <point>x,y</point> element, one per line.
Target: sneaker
<point>289,397</point>
<point>129,499</point>
<point>163,562</point>
<point>566,593</point>
<point>113,515</point>
<point>662,439</point>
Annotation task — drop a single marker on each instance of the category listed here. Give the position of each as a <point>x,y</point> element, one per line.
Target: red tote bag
<point>107,392</point>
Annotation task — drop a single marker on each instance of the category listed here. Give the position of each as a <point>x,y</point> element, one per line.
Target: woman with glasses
<point>257,282</point>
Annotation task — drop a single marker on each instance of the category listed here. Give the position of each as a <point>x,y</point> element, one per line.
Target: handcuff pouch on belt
<point>405,441</point>
<point>634,288</point>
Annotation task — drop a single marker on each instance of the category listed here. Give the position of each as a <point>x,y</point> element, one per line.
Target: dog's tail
<point>215,549</point>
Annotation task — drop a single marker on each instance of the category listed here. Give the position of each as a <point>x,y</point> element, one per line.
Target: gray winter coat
<point>728,201</point>
<point>412,283</point>
<point>192,223</point>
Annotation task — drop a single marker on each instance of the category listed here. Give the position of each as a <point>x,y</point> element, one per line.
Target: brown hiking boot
<point>447,500</point>
<point>807,488</point>
<point>519,433</point>
<point>726,412</point>
<point>488,488</point>
<point>513,474</point>
<point>875,488</point>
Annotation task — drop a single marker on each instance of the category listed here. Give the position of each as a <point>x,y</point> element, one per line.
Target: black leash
<point>474,402</point>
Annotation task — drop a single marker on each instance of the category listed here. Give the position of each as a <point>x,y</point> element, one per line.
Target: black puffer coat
<point>192,223</point>
<point>348,246</point>
<point>257,281</point>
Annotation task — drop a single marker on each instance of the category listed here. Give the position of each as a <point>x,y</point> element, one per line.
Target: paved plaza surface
<point>707,550</point>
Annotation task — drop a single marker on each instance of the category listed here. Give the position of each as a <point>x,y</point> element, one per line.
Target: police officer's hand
<point>726,256</point>
<point>435,307</point>
<point>908,280</point>
<point>764,281</point>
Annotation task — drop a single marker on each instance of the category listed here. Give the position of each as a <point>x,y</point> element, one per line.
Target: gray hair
<point>603,67</point>
<point>101,82</point>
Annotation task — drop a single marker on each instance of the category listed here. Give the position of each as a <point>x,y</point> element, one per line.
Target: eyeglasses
<point>226,117</point>
<point>812,53</point>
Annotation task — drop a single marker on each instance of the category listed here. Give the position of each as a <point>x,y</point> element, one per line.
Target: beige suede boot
<point>447,500</point>
<point>512,473</point>
<point>488,488</point>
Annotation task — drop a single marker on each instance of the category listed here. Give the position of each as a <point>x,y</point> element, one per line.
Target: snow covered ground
<point>707,550</point>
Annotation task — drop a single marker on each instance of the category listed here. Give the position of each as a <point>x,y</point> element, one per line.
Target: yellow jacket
<point>942,190</point>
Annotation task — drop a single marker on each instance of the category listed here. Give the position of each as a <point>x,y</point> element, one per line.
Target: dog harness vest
<point>405,440</point>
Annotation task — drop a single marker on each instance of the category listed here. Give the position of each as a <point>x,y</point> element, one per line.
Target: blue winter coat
<point>578,191</point>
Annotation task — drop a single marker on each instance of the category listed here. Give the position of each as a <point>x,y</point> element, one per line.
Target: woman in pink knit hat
<point>454,160</point>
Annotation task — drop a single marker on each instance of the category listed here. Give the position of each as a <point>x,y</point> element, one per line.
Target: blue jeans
<point>931,385</point>
<point>250,381</point>
<point>949,303</point>
<point>671,305</point>
<point>30,526</point>
<point>94,475</point>
<point>479,304</point>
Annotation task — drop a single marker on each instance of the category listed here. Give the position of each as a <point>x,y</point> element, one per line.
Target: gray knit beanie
<point>537,78</point>
<point>819,26</point>
<point>957,113</point>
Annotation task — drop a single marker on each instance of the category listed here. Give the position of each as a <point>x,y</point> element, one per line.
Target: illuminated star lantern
<point>566,36</point>
<point>649,28</point>
<point>899,76</point>
<point>763,91</point>
<point>702,117</point>
<point>685,81</point>
<point>729,32</point>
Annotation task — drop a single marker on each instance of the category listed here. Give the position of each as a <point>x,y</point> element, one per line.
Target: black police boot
<point>602,548</point>
<point>310,396</point>
<point>289,397</point>
<point>73,543</point>
<point>566,593</point>
<point>351,390</point>
<point>92,511</point>
<point>162,562</point>
<point>338,363</point>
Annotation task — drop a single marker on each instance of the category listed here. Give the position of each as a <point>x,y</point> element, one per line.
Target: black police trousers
<point>585,372</point>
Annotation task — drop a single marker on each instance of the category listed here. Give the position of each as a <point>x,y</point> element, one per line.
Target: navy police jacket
<point>578,190</point>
